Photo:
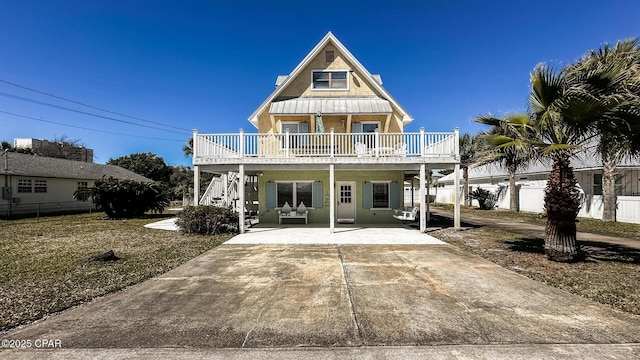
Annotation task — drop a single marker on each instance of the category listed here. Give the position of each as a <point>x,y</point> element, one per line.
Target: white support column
<point>196,169</point>
<point>241,198</point>
<point>423,205</point>
<point>225,189</point>
<point>428,187</point>
<point>456,182</point>
<point>196,185</point>
<point>456,205</point>
<point>332,198</point>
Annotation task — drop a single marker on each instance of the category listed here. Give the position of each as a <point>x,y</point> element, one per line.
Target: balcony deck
<point>326,148</point>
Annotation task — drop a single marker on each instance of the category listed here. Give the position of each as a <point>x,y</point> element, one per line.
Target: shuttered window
<point>294,192</point>
<point>380,195</point>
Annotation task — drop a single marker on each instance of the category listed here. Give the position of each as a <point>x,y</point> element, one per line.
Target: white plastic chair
<point>361,149</point>
<point>408,214</point>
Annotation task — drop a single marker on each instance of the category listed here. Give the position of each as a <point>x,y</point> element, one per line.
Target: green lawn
<point>44,266</point>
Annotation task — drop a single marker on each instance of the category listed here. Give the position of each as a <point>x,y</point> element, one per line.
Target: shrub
<point>486,199</point>
<point>207,220</point>
<point>121,198</point>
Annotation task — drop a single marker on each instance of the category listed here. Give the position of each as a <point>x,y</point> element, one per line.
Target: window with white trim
<point>293,128</point>
<point>597,185</point>
<point>24,186</point>
<point>40,186</point>
<point>294,193</point>
<point>83,185</point>
<point>380,195</point>
<point>330,80</point>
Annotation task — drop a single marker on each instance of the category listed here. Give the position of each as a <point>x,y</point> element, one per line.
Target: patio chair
<point>400,149</point>
<point>361,149</point>
<point>408,214</point>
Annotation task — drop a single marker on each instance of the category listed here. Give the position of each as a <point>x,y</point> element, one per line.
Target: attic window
<point>334,80</point>
<point>328,56</point>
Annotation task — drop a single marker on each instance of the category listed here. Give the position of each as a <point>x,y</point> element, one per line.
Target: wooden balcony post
<point>377,142</point>
<point>422,146</point>
<point>286,142</point>
<point>332,143</point>
<point>241,150</point>
<point>193,144</point>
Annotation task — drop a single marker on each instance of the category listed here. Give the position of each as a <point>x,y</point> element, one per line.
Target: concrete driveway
<point>338,295</point>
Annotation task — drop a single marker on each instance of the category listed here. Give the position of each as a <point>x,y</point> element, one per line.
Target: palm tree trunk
<point>465,183</point>
<point>560,240</point>
<point>562,203</point>
<point>514,202</point>
<point>609,199</point>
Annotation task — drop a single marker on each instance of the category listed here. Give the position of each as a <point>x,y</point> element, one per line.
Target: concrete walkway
<point>343,235</point>
<point>167,224</point>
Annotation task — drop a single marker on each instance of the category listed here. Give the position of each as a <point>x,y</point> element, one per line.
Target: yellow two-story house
<point>330,148</point>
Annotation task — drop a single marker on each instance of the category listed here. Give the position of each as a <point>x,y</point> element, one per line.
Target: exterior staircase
<point>223,192</point>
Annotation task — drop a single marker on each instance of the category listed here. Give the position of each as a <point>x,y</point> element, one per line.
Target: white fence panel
<point>531,199</point>
<point>628,209</point>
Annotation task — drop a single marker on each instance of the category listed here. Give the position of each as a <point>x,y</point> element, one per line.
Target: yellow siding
<point>301,87</point>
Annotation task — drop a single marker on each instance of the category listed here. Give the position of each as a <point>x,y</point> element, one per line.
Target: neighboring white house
<point>34,184</point>
<point>532,181</point>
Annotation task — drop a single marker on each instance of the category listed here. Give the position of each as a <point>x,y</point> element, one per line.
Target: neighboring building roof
<point>38,166</point>
<point>373,105</point>
<point>284,80</point>
<point>583,162</point>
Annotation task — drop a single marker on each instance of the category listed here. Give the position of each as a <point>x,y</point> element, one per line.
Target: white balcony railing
<point>289,145</point>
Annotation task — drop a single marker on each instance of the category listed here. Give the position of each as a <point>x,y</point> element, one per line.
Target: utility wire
<point>85,128</point>
<point>87,113</point>
<point>91,106</point>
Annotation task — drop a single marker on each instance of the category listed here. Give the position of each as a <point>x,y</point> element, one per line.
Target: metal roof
<point>581,162</point>
<point>331,106</point>
<point>39,166</point>
<point>367,76</point>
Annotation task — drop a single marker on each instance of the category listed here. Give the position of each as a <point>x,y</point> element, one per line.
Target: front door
<point>346,212</point>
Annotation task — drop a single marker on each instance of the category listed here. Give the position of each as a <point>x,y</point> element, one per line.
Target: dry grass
<point>595,226</point>
<point>610,274</point>
<point>44,268</point>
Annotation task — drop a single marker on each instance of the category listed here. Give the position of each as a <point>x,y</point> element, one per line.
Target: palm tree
<point>468,148</point>
<point>507,143</point>
<point>611,76</point>
<point>188,149</point>
<point>564,117</point>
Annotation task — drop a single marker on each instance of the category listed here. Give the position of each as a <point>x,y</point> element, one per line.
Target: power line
<point>91,106</point>
<point>86,113</point>
<point>85,128</point>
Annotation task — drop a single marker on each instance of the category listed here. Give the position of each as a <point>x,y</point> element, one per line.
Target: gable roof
<point>39,166</point>
<point>284,80</point>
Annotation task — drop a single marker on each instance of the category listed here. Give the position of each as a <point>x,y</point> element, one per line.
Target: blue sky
<point>209,64</point>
